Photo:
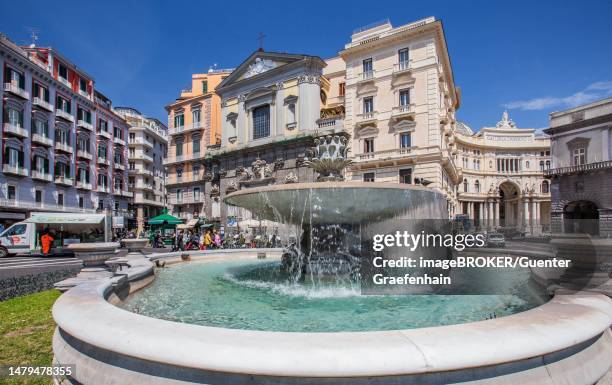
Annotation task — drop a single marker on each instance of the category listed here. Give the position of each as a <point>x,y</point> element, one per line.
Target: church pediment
<point>259,63</point>
<point>370,130</point>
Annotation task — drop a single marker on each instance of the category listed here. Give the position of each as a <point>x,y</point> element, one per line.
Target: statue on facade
<point>231,187</point>
<point>329,157</point>
<point>505,122</point>
<point>215,191</point>
<point>260,66</point>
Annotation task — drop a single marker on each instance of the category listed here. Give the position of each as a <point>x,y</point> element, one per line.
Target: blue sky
<point>532,57</point>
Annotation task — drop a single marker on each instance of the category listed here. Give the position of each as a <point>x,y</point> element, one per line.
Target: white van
<point>23,238</point>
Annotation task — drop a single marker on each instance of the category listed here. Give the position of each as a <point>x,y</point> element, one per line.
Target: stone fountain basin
<point>339,202</point>
<point>547,345</point>
<point>135,244</point>
<point>94,254</point>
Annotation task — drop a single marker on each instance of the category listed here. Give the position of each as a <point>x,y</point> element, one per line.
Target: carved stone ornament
<point>260,66</point>
<point>291,178</point>
<point>215,191</point>
<point>231,187</point>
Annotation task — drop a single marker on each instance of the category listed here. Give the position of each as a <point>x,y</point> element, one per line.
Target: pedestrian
<point>46,241</point>
<point>180,241</point>
<point>217,239</point>
<point>202,245</point>
<point>208,240</point>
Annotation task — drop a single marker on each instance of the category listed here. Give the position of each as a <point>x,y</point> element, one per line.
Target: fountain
<point>228,317</point>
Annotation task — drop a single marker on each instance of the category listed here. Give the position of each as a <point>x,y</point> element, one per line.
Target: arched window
<point>541,165</point>
<point>465,185</point>
<point>545,188</point>
<point>477,186</point>
<point>527,165</point>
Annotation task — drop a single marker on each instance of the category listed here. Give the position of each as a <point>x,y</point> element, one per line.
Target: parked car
<point>496,240</point>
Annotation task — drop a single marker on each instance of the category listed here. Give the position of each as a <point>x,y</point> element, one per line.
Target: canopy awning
<point>65,218</point>
<point>165,219</point>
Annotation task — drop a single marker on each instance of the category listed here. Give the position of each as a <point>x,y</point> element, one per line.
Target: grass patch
<point>26,329</point>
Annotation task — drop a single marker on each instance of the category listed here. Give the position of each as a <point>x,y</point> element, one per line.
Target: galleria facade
<point>391,93</point>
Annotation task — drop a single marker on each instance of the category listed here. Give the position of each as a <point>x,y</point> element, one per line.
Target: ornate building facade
<point>397,89</point>
<point>503,183</point>
<point>581,173</point>
<point>63,146</point>
<point>147,146</point>
<point>195,128</point>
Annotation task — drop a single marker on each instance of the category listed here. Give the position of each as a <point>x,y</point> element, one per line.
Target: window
<point>15,230</point>
<point>38,196</point>
<point>527,165</point>
<point>367,68</point>
<point>195,118</point>
<point>545,187</point>
<point>102,125</point>
<point>542,165</point>
<point>368,177</point>
<point>102,180</point>
<point>477,186</point>
<point>11,192</point>
<point>179,148</point>
<point>579,156</point>
<point>476,164</point>
<point>368,105</point>
<point>63,104</point>
<point>100,205</point>
<point>62,71</point>
<point>548,164</point>
<point>179,195</point>
<point>342,89</point>
<point>15,117</point>
<point>405,176</point>
<point>179,172</point>
<point>368,145</point>
<point>405,140</point>
<point>84,115</point>
<point>196,146</point>
<point>132,166</point>
<point>41,92</point>
<point>60,199</point>
<point>62,170</point>
<point>196,194</point>
<point>465,185</point>
<point>195,172</point>
<point>40,127</point>
<point>204,86</point>
<point>13,157</point>
<point>83,85</point>
<point>179,120</point>
<point>404,97</point>
<point>402,58</point>
<point>81,201</point>
<point>261,122</point>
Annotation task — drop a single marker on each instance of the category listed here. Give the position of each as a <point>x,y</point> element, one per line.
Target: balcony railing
<point>142,141</point>
<point>105,134</point>
<point>14,170</point>
<point>402,66</point>
<point>64,180</point>
<point>119,166</point>
<point>386,154</point>
<point>63,147</point>
<point>578,168</point>
<point>367,75</point>
<point>41,139</point>
<point>41,175</point>
<point>103,189</point>
<point>127,193</point>
<point>64,115</point>
<point>14,129</point>
<point>16,90</point>
<point>403,110</point>
<point>186,200</point>
<point>144,157</point>
<point>83,185</point>
<point>119,141</point>
<point>84,124</point>
<point>185,128</point>
<point>43,206</point>
<point>103,161</point>
<point>366,116</point>
<point>84,154</point>
<point>64,82</point>
<point>331,123</point>
<point>40,102</point>
<point>184,158</point>
<point>84,94</point>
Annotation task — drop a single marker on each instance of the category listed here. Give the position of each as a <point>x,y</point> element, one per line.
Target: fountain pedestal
<point>94,257</point>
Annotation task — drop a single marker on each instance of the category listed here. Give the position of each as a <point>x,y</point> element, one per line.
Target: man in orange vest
<point>46,240</point>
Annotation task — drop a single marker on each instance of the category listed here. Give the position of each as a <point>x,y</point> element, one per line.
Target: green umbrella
<point>165,219</point>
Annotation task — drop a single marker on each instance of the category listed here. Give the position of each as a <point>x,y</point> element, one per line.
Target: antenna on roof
<point>33,36</point>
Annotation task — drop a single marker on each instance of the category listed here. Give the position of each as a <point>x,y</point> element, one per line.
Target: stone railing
<point>578,168</point>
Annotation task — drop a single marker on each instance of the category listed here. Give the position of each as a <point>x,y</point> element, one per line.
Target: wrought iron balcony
<point>14,129</point>
<point>16,90</point>
<point>40,102</point>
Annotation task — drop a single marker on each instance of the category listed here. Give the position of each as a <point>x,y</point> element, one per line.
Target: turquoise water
<point>254,295</point>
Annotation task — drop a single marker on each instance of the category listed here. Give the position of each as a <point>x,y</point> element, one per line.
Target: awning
<point>65,218</point>
<point>165,219</point>
<point>192,222</point>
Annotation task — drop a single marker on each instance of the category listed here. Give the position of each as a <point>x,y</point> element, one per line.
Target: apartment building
<point>503,181</point>
<point>147,144</point>
<point>62,146</point>
<point>195,127</point>
<point>399,97</point>
<point>581,173</point>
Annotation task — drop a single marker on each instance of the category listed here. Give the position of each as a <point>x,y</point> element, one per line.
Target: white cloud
<point>593,92</point>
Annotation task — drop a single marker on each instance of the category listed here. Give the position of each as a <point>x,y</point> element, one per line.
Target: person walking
<point>217,239</point>
<point>180,241</point>
<point>208,240</point>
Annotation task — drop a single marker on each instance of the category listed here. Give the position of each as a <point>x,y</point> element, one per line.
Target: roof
<point>65,218</point>
<point>165,219</point>
<point>464,129</point>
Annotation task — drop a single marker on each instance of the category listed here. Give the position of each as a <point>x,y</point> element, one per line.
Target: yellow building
<point>194,121</point>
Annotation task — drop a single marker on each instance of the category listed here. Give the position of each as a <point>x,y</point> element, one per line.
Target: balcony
<point>579,168</point>
<point>84,154</point>
<point>185,200</point>
<point>41,139</point>
<point>119,141</point>
<point>83,185</point>
<point>406,111</point>
<point>119,166</point>
<point>14,129</point>
<point>39,102</point>
<point>64,82</point>
<point>64,180</point>
<point>84,94</point>
<point>335,124</point>
<point>64,115</point>
<point>366,118</point>
<point>86,125</point>
<point>103,161</point>
<point>185,128</point>
<point>41,175</point>
<point>105,134</point>
<point>16,90</point>
<point>65,147</point>
<point>144,186</point>
<point>127,194</point>
<point>402,67</point>
<point>102,189</point>
<point>387,155</point>
<point>14,170</point>
<point>144,157</point>
<point>142,141</point>
<point>367,76</point>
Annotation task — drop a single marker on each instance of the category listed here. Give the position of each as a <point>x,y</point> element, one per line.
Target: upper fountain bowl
<point>340,202</point>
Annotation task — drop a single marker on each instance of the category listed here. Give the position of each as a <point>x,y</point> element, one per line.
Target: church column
<point>495,213</point>
<point>526,212</point>
<point>481,214</point>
